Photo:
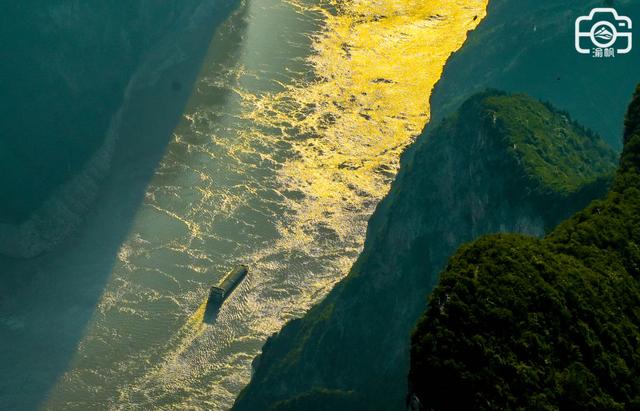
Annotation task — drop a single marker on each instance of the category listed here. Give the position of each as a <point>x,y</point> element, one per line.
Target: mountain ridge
<point>434,211</point>
<point>522,323</point>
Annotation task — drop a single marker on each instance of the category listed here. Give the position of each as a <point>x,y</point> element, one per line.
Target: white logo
<point>603,33</point>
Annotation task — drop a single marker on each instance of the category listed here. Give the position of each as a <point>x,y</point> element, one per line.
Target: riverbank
<point>287,143</point>
<point>169,68</point>
<point>52,297</point>
<point>351,350</point>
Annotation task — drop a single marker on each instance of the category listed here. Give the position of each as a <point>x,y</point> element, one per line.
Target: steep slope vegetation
<point>501,163</point>
<point>528,46</point>
<point>354,338</point>
<point>522,323</point>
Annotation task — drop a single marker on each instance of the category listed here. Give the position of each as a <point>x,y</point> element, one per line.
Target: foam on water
<point>287,143</point>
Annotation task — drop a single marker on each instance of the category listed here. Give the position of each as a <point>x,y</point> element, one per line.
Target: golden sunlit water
<point>292,135</point>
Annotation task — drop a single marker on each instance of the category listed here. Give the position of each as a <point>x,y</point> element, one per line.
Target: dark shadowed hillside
<point>528,46</point>
<point>498,164</point>
<point>522,323</point>
<point>462,178</point>
<point>68,69</point>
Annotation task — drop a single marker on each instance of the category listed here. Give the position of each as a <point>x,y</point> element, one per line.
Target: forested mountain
<point>501,163</point>
<point>522,323</point>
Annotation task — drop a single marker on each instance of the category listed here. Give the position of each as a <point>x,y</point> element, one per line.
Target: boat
<point>219,293</point>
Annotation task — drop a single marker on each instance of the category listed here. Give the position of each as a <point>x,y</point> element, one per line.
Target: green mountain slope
<point>447,193</point>
<point>522,323</point>
<point>498,164</point>
<point>528,46</point>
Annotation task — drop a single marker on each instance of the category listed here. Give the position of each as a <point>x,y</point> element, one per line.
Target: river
<point>291,135</point>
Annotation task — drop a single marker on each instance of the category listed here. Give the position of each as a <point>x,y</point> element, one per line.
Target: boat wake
<point>291,137</point>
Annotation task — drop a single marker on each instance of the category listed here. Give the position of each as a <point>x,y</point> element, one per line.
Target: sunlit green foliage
<point>463,178</point>
<point>556,151</point>
<point>521,323</point>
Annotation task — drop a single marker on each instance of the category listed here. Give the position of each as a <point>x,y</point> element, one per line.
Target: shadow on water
<point>47,302</point>
<point>211,313</point>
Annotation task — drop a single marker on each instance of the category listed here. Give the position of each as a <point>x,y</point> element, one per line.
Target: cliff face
<point>69,66</point>
<point>485,169</point>
<point>521,323</point>
<point>352,348</point>
<point>527,46</point>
